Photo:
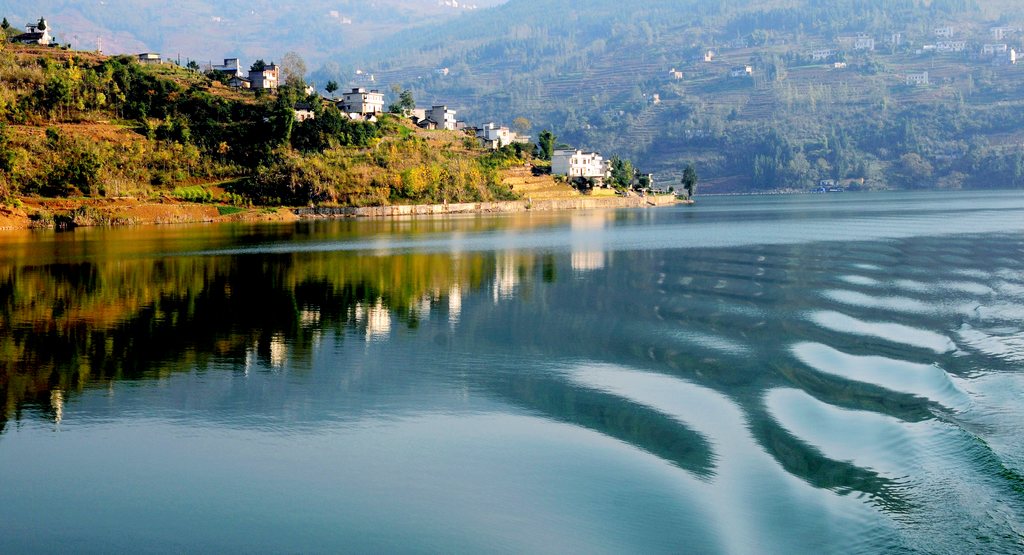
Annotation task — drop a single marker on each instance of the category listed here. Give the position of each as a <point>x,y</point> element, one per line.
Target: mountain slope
<point>598,74</point>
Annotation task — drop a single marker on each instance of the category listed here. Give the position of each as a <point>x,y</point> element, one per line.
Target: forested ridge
<point>598,74</point>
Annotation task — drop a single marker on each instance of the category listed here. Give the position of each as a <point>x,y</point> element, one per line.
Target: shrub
<point>195,193</point>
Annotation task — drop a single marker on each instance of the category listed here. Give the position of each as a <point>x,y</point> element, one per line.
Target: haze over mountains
<point>211,29</point>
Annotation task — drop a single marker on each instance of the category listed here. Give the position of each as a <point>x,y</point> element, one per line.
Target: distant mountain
<point>205,30</point>
<point>598,73</point>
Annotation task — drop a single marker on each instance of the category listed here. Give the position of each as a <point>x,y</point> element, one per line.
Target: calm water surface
<point>839,373</point>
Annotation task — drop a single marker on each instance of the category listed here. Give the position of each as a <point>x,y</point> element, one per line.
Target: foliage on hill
<point>590,72</point>
<point>73,124</point>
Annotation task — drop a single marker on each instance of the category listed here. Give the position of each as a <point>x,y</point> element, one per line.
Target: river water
<point>833,373</point>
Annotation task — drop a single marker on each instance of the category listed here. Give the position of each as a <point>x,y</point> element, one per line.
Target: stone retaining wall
<point>484,207</point>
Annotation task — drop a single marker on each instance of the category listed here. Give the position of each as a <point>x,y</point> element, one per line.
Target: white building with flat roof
<point>231,66</point>
<point>149,58</point>
<point>577,163</point>
<point>442,117</point>
<point>918,79</point>
<point>495,136</point>
<point>362,101</point>
<point>994,49</point>
<point>864,43</point>
<point>268,78</point>
<point>951,46</point>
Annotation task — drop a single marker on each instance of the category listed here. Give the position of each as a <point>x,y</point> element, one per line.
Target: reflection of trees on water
<point>66,326</point>
<point>711,318</point>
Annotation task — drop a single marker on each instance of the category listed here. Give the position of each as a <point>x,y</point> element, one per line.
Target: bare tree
<point>293,67</point>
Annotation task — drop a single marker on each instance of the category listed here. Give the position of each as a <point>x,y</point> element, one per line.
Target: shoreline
<point>123,212</point>
<point>497,207</point>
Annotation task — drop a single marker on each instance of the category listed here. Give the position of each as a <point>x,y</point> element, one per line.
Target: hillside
<point>598,74</point>
<point>83,126</point>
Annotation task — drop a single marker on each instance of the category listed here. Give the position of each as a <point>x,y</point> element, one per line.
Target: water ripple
<point>926,381</point>
<point>896,333</point>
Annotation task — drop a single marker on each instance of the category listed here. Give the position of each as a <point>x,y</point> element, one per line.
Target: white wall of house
<point>918,79</point>
<point>150,58</point>
<point>864,43</point>
<point>443,117</point>
<point>362,101</point>
<point>232,66</point>
<point>576,163</point>
<point>269,78</point>
<point>496,136</point>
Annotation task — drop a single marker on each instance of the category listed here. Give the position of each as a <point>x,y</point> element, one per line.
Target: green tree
<point>192,65</point>
<point>5,25</point>
<point>689,181</point>
<point>331,88</point>
<point>258,65</point>
<point>406,103</point>
<point>546,144</point>
<point>914,170</point>
<point>623,173</point>
<point>42,24</point>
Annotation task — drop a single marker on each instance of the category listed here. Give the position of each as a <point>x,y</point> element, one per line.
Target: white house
<point>994,49</point>
<point>1000,33</point>
<point>951,46</point>
<point>675,74</point>
<point>495,136</point>
<point>35,33</point>
<point>918,79</point>
<point>442,118</point>
<point>231,67</point>
<point>822,54</point>
<point>150,59</point>
<point>576,163</point>
<point>946,32</point>
<point>269,78</point>
<point>863,42</point>
<point>304,112</point>
<point>709,56</point>
<point>362,101</point>
<point>239,83</point>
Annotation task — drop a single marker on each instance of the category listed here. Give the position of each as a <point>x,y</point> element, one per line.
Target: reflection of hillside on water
<point>66,326</point>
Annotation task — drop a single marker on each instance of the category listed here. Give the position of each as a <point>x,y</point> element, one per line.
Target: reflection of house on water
<point>585,261</point>
<point>587,243</point>
<point>278,351</point>
<point>376,318</point>
<point>506,277</point>
<point>454,303</point>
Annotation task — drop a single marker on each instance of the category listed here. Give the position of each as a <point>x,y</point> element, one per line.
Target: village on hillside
<point>586,169</point>
<point>589,169</point>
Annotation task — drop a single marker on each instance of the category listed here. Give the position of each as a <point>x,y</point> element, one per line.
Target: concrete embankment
<point>547,205</point>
